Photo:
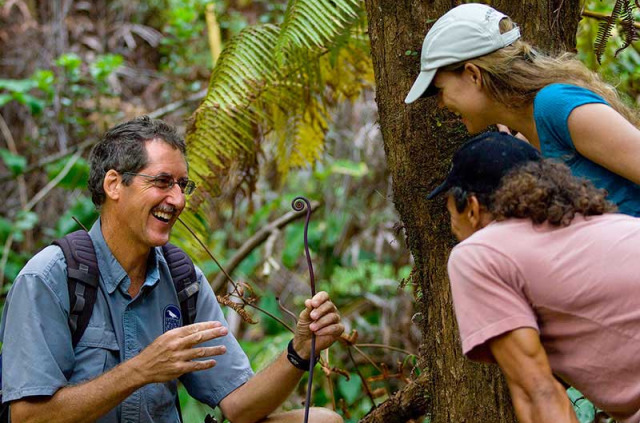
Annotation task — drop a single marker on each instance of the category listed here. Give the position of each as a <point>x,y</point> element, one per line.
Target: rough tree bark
<point>419,140</point>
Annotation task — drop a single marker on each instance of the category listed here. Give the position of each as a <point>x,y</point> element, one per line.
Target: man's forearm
<point>263,393</point>
<point>547,403</point>
<point>80,403</point>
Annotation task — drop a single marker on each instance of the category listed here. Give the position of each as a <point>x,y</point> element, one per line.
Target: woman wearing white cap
<point>474,60</point>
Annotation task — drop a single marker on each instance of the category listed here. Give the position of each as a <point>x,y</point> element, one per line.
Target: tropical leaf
<point>275,84</point>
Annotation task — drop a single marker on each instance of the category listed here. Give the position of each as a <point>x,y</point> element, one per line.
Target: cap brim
<point>420,86</point>
<point>439,190</point>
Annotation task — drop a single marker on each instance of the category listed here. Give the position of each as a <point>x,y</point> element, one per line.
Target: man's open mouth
<point>162,216</point>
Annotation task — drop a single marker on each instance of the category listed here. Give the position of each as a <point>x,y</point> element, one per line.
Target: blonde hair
<point>514,74</point>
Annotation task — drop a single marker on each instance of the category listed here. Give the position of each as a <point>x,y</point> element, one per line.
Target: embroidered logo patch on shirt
<point>171,317</point>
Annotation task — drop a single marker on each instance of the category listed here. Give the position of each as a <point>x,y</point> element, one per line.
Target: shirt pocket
<point>160,399</point>
<point>96,352</point>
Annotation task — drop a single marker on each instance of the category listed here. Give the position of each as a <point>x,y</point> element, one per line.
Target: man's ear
<point>112,184</point>
<point>474,211</point>
<point>474,73</point>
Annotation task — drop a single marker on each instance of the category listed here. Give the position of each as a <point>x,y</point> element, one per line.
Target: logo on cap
<point>172,318</point>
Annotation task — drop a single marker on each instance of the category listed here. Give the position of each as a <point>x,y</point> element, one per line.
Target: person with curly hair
<point>545,280</point>
<point>480,69</point>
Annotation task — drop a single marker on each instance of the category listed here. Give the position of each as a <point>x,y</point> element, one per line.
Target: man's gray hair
<point>122,149</point>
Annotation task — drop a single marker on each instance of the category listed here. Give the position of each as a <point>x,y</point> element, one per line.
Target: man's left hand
<point>321,318</point>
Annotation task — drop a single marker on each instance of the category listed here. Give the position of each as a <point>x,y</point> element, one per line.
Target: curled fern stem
<point>299,204</point>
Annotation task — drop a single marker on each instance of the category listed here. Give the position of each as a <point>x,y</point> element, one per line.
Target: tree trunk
<point>419,140</point>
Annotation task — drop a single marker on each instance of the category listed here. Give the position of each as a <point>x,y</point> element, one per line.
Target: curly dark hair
<point>546,191</point>
<point>122,149</point>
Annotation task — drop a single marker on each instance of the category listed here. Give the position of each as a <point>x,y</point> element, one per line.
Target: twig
<point>172,107</point>
<point>55,181</point>
<point>258,238</point>
<point>52,158</point>
<point>603,17</point>
<point>364,381</point>
<point>277,319</point>
<point>366,357</point>
<point>387,347</point>
<point>79,223</point>
<point>235,285</point>
<point>287,311</point>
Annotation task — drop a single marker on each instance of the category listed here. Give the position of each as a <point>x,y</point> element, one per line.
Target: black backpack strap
<point>82,279</point>
<point>183,273</point>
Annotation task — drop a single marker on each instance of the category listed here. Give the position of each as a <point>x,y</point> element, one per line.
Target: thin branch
<point>197,238</point>
<point>362,379</point>
<point>55,181</point>
<point>276,318</point>
<point>602,17</point>
<point>258,238</point>
<point>387,347</point>
<point>409,403</point>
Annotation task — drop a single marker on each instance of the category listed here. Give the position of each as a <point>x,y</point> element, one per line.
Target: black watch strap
<point>297,361</point>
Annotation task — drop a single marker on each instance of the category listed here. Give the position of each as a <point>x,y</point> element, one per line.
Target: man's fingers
<point>332,330</point>
<point>194,366</point>
<point>204,352</point>
<point>326,320</point>
<point>317,300</point>
<point>322,310</point>
<point>204,335</point>
<point>197,327</point>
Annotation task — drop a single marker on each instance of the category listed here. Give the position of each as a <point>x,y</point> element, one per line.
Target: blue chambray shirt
<point>38,358</point>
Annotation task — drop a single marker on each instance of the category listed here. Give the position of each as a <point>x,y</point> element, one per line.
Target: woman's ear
<point>112,184</point>
<point>474,73</point>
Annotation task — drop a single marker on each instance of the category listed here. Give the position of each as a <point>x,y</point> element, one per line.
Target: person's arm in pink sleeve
<point>536,394</point>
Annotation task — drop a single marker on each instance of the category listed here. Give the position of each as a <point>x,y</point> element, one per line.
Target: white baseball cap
<point>465,32</point>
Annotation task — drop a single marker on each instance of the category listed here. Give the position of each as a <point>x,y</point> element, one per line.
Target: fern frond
<point>275,84</point>
<point>224,123</point>
<point>628,26</point>
<point>301,139</point>
<point>604,29</point>
<point>314,23</point>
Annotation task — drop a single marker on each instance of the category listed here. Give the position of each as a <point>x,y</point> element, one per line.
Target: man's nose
<point>177,197</point>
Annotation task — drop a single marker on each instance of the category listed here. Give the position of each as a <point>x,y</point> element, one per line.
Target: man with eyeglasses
<point>126,365</point>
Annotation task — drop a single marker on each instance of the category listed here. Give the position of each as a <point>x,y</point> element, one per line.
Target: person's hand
<point>321,318</point>
<point>506,130</point>
<point>175,352</point>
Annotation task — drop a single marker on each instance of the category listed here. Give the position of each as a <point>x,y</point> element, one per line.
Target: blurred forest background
<point>69,70</point>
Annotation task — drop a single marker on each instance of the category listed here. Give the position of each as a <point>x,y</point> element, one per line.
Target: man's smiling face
<point>146,211</point>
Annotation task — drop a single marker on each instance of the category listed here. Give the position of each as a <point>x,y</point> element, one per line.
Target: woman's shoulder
<point>566,92</point>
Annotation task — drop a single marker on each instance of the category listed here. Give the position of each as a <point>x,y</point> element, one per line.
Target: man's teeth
<point>163,215</point>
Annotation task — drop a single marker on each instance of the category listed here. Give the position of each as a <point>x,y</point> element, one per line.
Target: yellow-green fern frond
<point>315,23</point>
<point>225,122</point>
<point>274,84</point>
<point>300,140</point>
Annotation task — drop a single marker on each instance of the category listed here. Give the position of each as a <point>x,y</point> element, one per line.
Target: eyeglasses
<point>165,182</point>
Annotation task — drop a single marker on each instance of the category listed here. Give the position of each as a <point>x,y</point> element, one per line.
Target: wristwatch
<point>297,361</point>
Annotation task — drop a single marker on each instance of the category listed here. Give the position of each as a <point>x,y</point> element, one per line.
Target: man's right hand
<point>176,352</point>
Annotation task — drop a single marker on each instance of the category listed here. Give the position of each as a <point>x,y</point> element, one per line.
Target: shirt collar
<point>110,269</point>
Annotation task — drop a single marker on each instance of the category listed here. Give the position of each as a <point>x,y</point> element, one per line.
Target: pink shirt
<point>579,286</point>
